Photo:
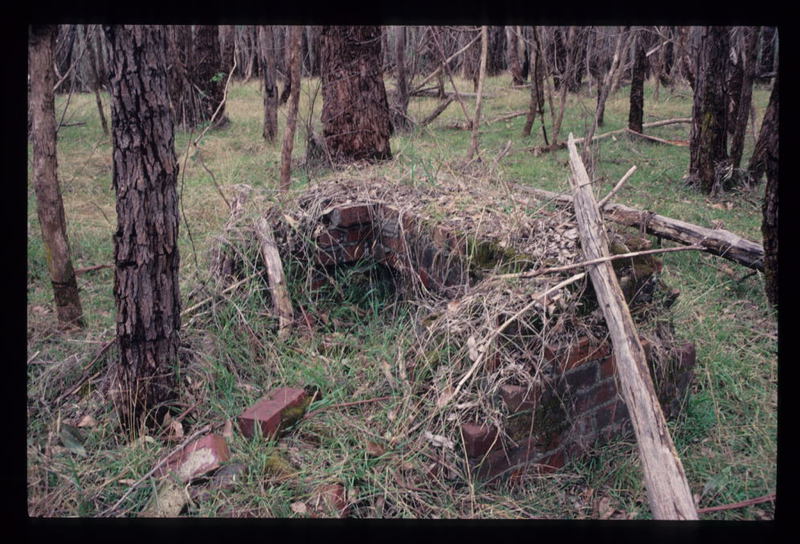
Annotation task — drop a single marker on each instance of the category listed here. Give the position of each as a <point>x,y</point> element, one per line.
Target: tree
<point>765,159</point>
<point>183,95</point>
<point>399,112</point>
<point>291,119</point>
<point>146,288</point>
<point>208,74</point>
<point>636,111</point>
<point>745,100</point>
<point>537,88</point>
<point>514,63</point>
<point>473,148</point>
<point>49,205</point>
<point>98,77</point>
<point>227,46</point>
<point>355,110</point>
<point>708,142</point>
<point>266,44</point>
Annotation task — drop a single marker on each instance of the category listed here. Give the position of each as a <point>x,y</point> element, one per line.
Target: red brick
<point>577,353</point>
<point>552,463</point>
<point>687,356</point>
<point>331,238</point>
<point>268,412</point>
<point>359,234</point>
<point>200,457</point>
<point>352,253</point>
<point>607,368</point>
<point>604,392</point>
<point>517,398</point>
<point>582,376</point>
<point>347,216</point>
<point>325,259</point>
<point>479,439</point>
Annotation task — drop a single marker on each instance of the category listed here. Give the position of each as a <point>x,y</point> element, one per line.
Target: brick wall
<point>546,426</point>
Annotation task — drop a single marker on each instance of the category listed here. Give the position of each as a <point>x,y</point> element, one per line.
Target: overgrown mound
<point>474,263</point>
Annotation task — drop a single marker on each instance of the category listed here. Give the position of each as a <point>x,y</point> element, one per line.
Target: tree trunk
<point>636,112</point>
<point>355,111</point>
<point>668,491</point>
<point>146,287</point>
<point>295,62</point>
<point>537,88</point>
<point>513,56</point>
<point>708,145</point>
<point>49,205</point>
<point>496,58</point>
<point>227,47</point>
<point>667,58</point>
<point>400,120</point>
<point>184,99</point>
<point>766,63</point>
<point>766,149</point>
<point>473,149</point>
<point>745,101</point>
<point>769,227</point>
<point>208,74</point>
<point>96,82</point>
<point>266,55</point>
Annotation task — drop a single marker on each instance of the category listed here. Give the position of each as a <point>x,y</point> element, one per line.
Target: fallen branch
<point>281,302</point>
<point>547,148</point>
<point>719,242</point>
<point>507,116</point>
<point>436,113</point>
<point>79,271</point>
<point>617,187</point>
<point>742,504</point>
<point>552,270</point>
<point>679,143</point>
<point>668,491</point>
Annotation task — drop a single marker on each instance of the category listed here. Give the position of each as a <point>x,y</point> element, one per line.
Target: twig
<point>617,187</point>
<point>79,271</point>
<point>542,271</point>
<point>679,143</point>
<point>454,55</point>
<point>506,117</point>
<point>83,371</point>
<point>742,504</point>
<point>157,466</point>
<point>346,404</point>
<point>228,289</point>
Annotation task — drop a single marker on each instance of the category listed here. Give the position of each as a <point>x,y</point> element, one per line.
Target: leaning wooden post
<point>667,489</point>
<point>281,302</point>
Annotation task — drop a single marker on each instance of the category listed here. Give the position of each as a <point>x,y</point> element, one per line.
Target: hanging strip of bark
<point>282,304</point>
<point>291,118</point>
<point>668,491</point>
<point>719,242</point>
<point>473,148</point>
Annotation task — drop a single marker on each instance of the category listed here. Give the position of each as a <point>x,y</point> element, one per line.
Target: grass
<point>726,438</point>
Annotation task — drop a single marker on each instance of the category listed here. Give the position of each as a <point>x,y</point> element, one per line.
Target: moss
<point>293,414</point>
<point>546,420</point>
<point>487,255</point>
<point>277,465</point>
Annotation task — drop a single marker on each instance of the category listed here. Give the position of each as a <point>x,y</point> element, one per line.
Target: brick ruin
<point>545,425</point>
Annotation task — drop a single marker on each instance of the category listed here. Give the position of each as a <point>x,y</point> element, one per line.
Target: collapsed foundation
<point>546,390</point>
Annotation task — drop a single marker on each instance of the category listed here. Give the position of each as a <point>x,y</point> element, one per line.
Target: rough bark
<point>184,98</point>
<point>296,38</point>
<point>766,150</point>
<point>667,58</point>
<point>636,111</point>
<point>146,287</point>
<point>473,148</point>
<point>355,110</point>
<point>496,57</point>
<point>668,490</point>
<point>745,100</point>
<point>708,141</point>
<point>537,89</point>
<point>208,73</point>
<point>49,204</point>
<point>266,44</point>
<point>769,226</point>
<point>767,57</point>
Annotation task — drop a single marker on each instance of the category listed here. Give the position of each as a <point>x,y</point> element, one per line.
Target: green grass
<point>726,438</point>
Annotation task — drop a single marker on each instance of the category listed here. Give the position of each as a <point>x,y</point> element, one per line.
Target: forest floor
<point>727,437</point>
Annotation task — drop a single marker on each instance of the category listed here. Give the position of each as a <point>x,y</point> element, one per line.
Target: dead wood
<point>544,149</point>
<point>719,242</point>
<point>668,491</point>
<point>436,113</point>
<point>281,302</point>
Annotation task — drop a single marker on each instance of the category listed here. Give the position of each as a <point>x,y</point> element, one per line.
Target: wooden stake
<point>668,491</point>
<point>281,302</point>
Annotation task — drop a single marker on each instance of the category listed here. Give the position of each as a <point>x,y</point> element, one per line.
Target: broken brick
<point>351,215</point>
<point>200,457</point>
<point>270,413</point>
<point>479,439</point>
<point>330,501</point>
